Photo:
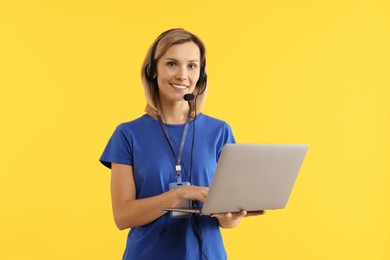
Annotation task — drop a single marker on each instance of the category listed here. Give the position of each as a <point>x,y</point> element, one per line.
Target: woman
<point>168,156</point>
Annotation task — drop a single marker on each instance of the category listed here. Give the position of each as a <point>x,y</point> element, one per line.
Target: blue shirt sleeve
<point>227,137</point>
<point>118,149</point>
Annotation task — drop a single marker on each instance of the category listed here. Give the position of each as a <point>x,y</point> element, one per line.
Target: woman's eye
<point>171,64</point>
<point>192,66</point>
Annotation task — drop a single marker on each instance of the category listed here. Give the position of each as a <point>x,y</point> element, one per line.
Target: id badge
<point>187,203</point>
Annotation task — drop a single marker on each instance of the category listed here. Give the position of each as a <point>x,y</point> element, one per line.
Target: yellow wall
<point>313,72</point>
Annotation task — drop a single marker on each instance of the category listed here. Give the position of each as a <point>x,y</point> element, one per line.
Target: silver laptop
<point>252,177</point>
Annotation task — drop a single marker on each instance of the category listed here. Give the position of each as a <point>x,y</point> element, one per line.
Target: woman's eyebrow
<point>172,59</point>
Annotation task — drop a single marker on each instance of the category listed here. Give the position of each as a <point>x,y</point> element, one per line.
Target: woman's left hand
<point>232,219</point>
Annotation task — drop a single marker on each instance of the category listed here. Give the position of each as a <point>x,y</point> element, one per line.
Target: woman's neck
<point>174,113</point>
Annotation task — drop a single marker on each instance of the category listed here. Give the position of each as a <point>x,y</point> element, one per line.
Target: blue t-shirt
<point>142,144</point>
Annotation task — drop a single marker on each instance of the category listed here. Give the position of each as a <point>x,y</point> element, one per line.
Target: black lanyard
<point>183,139</point>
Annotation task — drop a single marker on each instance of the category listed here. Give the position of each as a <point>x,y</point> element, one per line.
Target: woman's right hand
<point>192,193</point>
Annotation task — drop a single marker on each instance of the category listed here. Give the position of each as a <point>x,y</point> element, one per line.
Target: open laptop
<point>252,177</point>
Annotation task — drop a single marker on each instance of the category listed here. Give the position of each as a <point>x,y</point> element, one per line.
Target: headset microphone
<point>189,97</point>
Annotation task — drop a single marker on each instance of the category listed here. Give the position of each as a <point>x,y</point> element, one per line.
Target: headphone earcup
<point>202,77</point>
<point>148,71</point>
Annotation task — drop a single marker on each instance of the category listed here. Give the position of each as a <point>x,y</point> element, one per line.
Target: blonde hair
<point>162,43</point>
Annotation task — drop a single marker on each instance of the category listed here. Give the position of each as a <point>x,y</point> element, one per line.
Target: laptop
<point>251,177</point>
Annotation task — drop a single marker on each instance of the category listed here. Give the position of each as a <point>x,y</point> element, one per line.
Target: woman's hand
<point>232,219</point>
<point>192,193</point>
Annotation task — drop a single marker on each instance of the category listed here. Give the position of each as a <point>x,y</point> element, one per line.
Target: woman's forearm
<point>140,212</point>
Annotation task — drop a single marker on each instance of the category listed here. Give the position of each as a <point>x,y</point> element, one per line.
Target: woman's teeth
<point>179,86</point>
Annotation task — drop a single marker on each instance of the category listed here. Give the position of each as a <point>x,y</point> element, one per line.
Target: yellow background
<point>313,72</point>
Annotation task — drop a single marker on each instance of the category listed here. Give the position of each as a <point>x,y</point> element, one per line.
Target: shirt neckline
<point>200,115</point>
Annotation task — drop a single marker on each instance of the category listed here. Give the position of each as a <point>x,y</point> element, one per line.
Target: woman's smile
<point>178,86</point>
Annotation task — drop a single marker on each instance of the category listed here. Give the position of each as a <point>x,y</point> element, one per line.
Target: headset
<point>150,69</point>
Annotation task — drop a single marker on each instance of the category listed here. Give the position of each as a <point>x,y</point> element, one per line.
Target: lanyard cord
<point>183,139</point>
<point>193,136</point>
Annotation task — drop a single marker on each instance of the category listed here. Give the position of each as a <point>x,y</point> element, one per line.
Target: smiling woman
<point>157,161</point>
<point>180,55</point>
<point>177,74</point>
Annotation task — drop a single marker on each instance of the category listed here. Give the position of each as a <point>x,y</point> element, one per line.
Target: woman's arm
<point>130,212</point>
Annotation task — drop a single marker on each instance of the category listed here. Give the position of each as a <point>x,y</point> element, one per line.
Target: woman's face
<point>178,71</point>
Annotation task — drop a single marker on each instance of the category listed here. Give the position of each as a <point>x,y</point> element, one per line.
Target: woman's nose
<point>181,74</point>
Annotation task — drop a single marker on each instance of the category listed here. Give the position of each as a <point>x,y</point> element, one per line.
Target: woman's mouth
<point>178,86</point>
